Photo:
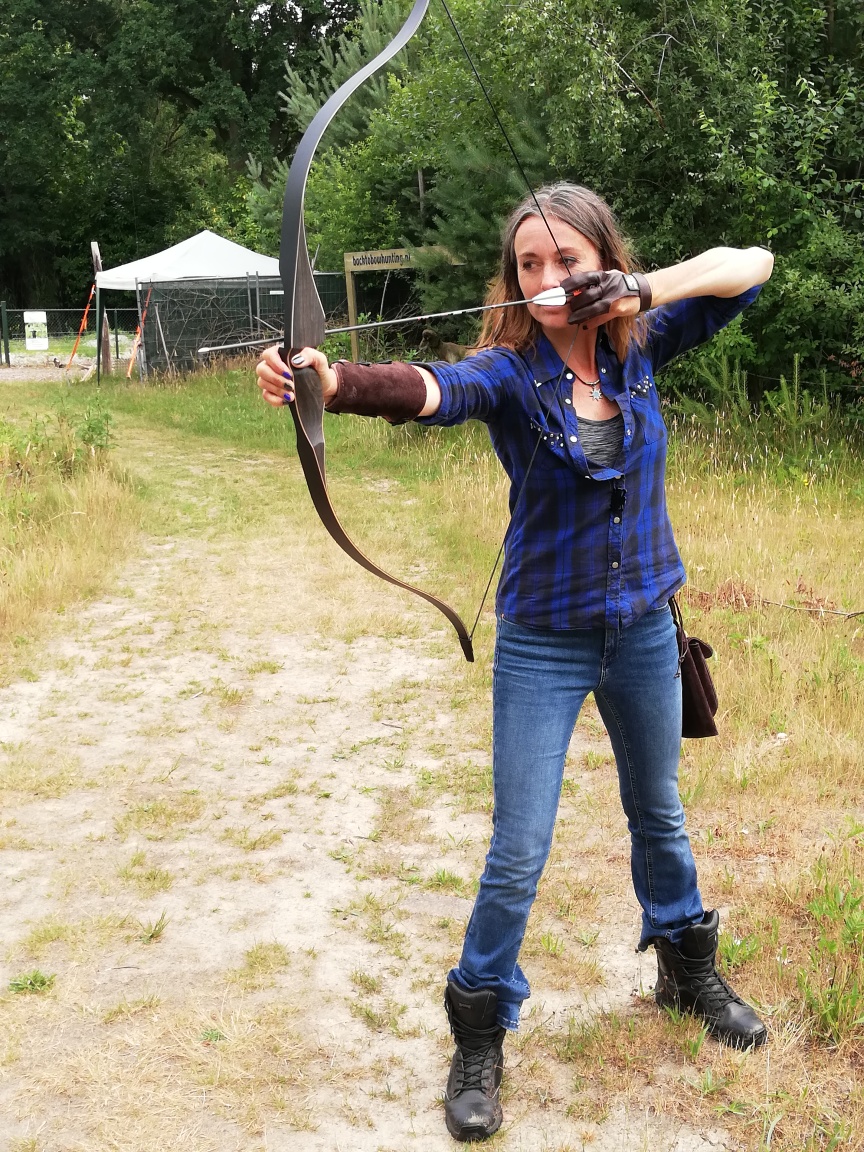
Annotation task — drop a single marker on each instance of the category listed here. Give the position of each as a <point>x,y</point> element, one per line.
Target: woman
<point>582,605</point>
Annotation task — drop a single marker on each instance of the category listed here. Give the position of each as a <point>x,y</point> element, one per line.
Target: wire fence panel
<point>182,316</point>
<point>27,340</point>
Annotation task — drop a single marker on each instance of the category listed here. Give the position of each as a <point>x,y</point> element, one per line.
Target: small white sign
<point>36,331</point>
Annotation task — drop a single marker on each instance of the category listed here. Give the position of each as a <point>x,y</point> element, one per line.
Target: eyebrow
<point>562,249</point>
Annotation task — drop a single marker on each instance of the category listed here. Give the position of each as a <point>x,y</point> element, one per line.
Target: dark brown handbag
<point>698,694</point>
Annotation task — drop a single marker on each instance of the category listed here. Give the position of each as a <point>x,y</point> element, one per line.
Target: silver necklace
<point>594,385</point>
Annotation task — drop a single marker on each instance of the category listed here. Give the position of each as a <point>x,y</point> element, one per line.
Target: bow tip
<point>467,648</point>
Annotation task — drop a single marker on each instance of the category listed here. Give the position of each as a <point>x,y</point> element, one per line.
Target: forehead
<point>532,235</point>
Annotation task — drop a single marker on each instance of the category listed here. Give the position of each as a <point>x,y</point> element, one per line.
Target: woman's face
<point>540,265</point>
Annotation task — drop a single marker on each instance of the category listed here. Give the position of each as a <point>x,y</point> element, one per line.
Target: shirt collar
<point>547,365</point>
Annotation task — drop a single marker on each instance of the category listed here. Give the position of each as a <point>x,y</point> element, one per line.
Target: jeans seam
<point>649,870</point>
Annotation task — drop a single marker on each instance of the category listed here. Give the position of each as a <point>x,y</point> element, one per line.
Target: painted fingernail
<point>297,361</point>
<point>287,397</point>
<point>286,374</point>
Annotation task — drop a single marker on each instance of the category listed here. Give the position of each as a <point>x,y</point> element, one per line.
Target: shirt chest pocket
<point>645,406</point>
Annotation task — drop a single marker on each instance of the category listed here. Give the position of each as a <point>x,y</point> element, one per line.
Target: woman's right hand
<point>277,382</point>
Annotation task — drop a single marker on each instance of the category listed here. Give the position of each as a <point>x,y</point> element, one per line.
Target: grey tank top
<point>602,440</point>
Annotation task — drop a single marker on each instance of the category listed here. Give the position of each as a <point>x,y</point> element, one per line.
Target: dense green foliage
<point>735,121</point>
<point>131,124</point>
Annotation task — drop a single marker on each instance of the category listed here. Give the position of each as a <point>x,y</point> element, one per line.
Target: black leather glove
<point>598,291</point>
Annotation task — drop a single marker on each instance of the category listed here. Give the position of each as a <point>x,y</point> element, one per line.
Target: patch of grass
<point>34,982</point>
<point>261,963</point>
<point>212,1036</point>
<point>67,517</point>
<point>152,930</point>
<point>162,816</point>
<point>364,981</point>
<point>385,1018</point>
<point>47,777</point>
<point>270,666</point>
<point>126,1009</point>
<point>286,788</point>
<point>81,937</point>
<point>147,879</point>
<point>227,695</point>
<point>445,881</point>
<point>551,944</point>
<point>252,842</point>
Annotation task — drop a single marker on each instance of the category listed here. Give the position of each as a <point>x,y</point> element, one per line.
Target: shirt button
<point>568,375</point>
<point>567,400</point>
<point>614,563</point>
<point>572,439</point>
<point>602,371</point>
<point>616,520</point>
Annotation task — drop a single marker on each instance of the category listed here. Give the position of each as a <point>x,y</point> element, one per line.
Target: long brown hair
<point>585,211</point>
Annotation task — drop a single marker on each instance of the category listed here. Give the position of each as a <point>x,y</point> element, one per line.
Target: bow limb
<point>304,323</point>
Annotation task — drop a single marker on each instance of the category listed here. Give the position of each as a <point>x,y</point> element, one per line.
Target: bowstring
<point>555,390</point>
<point>501,127</point>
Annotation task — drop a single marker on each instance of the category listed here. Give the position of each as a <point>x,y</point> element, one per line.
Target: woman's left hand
<point>602,295</point>
<point>276,380</point>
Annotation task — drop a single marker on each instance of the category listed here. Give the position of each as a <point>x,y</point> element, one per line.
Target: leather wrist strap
<point>393,390</point>
<point>645,293</point>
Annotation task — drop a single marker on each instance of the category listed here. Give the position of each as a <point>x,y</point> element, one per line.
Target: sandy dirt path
<point>245,854</point>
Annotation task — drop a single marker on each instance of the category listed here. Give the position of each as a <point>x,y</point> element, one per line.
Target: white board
<point>36,331</point>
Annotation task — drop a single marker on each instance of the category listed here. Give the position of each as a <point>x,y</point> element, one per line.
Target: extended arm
<point>274,379</point>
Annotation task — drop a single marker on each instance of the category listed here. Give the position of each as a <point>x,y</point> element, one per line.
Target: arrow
<point>550,298</point>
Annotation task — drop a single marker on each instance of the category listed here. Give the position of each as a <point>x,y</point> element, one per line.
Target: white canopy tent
<point>202,257</point>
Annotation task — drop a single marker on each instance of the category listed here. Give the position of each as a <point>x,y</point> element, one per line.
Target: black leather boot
<point>687,980</point>
<point>471,1103</point>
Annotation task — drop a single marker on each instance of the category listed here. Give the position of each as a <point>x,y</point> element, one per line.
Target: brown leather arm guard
<point>392,390</point>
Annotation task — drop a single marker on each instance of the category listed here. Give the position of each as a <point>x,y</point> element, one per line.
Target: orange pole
<point>136,343</point>
<point>83,326</point>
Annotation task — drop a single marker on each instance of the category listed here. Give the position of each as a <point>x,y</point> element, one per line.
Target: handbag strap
<point>681,635</point>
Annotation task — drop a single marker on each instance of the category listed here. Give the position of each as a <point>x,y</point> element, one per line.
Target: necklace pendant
<point>596,394</point>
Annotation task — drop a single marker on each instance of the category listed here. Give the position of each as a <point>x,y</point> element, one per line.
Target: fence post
<point>116,338</point>
<point>4,324</point>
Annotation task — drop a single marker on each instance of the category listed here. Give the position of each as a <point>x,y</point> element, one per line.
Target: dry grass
<point>67,517</point>
<point>774,808</point>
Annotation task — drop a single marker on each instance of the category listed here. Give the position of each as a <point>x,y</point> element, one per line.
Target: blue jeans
<point>540,681</point>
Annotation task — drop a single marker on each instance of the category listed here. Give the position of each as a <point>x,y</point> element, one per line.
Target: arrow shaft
<point>552,298</point>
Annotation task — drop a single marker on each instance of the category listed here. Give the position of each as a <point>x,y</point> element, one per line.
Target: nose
<point>552,275</point>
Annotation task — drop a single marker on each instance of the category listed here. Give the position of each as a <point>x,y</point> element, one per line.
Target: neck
<point>578,353</point>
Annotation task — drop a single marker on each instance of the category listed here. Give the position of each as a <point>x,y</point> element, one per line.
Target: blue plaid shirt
<point>586,547</point>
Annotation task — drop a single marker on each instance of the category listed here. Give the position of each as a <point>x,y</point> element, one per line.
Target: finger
<point>310,358</point>
<point>581,280</point>
<point>586,298</point>
<point>599,309</point>
<point>275,374</point>
<point>283,389</point>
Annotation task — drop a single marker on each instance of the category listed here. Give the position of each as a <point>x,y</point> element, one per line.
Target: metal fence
<point>181,316</point>
<point>60,331</point>
<point>177,318</point>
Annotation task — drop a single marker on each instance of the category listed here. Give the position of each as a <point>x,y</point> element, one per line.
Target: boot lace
<point>476,1053</point>
<point>713,990</point>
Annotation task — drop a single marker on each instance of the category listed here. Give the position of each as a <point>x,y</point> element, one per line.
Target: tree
<point>132,124</point>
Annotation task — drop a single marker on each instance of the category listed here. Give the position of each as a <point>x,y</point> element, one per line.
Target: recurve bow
<point>304,324</point>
